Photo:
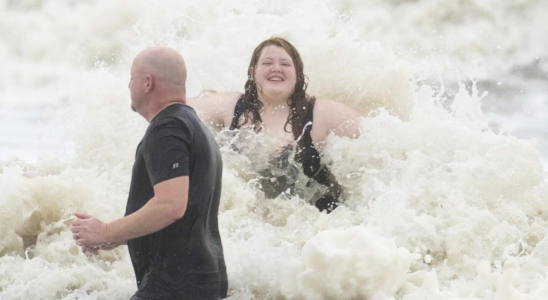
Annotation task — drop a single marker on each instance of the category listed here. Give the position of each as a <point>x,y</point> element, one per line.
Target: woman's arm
<point>215,109</point>
<point>332,116</point>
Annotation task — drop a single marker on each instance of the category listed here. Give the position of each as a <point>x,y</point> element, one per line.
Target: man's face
<point>133,88</point>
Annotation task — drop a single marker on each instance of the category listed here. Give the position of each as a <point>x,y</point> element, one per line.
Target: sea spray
<point>454,208</point>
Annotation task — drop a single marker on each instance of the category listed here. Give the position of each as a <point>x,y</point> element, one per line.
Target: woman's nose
<point>276,68</point>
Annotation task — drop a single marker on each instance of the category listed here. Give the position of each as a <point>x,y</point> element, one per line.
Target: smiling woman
<point>275,74</point>
<point>275,102</point>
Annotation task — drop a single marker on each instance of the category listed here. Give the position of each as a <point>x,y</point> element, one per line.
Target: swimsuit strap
<point>310,157</point>
<point>313,167</point>
<point>238,111</point>
<point>308,118</point>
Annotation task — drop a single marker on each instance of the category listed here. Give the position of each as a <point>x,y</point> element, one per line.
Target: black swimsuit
<point>308,157</point>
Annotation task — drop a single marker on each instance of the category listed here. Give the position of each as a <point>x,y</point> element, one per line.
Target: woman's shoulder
<point>215,108</point>
<point>211,97</point>
<point>330,115</point>
<point>333,110</point>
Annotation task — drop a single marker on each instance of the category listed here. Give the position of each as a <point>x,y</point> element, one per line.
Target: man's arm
<point>167,206</point>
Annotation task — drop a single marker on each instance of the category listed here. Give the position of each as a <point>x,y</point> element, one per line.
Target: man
<point>171,225</point>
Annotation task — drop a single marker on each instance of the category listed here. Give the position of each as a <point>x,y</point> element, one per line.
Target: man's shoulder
<point>165,122</point>
<point>179,124</point>
<point>175,115</point>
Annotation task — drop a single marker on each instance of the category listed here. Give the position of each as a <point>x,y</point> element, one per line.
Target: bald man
<point>170,225</point>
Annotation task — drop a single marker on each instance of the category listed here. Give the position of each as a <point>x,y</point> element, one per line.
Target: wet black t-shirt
<point>185,259</point>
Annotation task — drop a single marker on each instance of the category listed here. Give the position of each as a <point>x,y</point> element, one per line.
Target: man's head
<point>158,77</point>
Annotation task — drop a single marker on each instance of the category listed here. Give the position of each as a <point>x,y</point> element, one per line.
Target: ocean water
<point>445,189</point>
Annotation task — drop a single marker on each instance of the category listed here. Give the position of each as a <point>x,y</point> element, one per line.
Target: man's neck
<point>154,111</point>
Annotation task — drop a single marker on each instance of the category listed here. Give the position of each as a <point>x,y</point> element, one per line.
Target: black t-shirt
<point>185,258</point>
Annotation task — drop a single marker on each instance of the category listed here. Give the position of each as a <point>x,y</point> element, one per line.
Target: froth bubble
<point>350,263</point>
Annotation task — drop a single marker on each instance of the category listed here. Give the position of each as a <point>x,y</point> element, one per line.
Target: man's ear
<point>149,83</point>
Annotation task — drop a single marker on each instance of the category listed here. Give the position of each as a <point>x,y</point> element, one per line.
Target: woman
<point>275,101</point>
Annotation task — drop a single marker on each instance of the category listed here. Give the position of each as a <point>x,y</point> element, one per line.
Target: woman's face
<point>275,73</point>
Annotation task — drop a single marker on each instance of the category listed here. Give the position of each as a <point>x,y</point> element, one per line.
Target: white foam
<point>437,205</point>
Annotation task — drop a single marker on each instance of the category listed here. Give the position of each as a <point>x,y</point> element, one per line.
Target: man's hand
<point>94,250</point>
<point>89,231</point>
<point>90,251</point>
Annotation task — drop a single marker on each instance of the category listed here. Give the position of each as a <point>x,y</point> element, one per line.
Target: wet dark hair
<point>299,102</point>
